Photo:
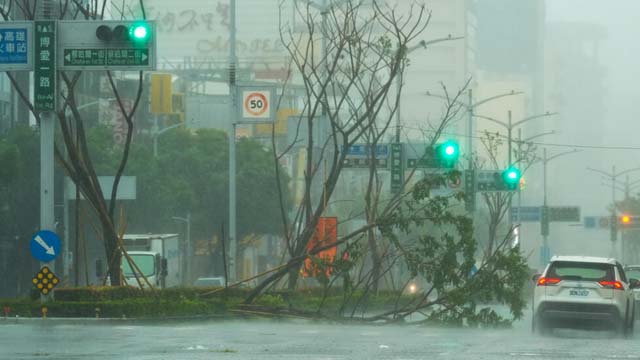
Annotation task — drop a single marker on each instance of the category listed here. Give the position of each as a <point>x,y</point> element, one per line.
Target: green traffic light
<point>449,150</point>
<point>511,177</point>
<point>139,32</point>
<point>447,154</point>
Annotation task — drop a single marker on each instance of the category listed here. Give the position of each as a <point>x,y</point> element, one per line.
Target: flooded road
<point>265,339</point>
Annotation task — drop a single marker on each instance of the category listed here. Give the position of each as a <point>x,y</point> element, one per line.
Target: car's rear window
<point>570,270</point>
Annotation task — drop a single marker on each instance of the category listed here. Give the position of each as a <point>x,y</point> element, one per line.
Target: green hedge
<point>106,293</point>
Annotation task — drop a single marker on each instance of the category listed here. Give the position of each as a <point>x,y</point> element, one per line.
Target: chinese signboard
<point>397,170</point>
<point>200,29</point>
<point>45,72</point>
<point>364,151</point>
<point>16,46</point>
<point>564,213</point>
<point>106,57</point>
<point>525,214</point>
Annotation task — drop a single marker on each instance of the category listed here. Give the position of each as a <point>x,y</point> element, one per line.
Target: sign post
<point>45,91</point>
<point>255,105</point>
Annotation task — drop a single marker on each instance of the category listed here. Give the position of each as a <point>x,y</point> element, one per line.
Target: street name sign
<point>106,57</point>
<point>564,213</point>
<point>45,246</point>
<point>364,151</point>
<point>16,46</point>
<point>397,168</point>
<point>525,214</point>
<point>45,66</point>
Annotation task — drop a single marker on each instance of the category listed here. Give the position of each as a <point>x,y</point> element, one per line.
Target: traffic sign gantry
<point>45,280</point>
<point>45,246</point>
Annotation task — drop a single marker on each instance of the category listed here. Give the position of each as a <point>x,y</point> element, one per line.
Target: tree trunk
<point>376,261</point>
<point>114,256</point>
<point>294,274</point>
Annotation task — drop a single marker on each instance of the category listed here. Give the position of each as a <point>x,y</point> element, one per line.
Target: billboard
<point>199,29</point>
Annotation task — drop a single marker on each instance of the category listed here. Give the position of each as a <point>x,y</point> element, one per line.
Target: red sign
<point>326,234</point>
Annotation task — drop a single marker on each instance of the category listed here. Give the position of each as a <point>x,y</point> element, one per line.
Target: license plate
<point>578,292</point>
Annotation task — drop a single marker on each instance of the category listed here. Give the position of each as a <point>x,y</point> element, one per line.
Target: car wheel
<point>631,324</point>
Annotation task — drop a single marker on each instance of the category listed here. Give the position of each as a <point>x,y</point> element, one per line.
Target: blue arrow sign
<point>45,246</point>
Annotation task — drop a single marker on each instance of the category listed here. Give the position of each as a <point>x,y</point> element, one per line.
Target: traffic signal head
<point>137,32</point>
<point>627,220</point>
<point>511,177</point>
<point>447,153</point>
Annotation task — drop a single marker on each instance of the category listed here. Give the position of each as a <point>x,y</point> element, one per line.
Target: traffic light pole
<point>47,134</point>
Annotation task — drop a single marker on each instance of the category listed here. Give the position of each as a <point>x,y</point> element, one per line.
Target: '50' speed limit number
<point>256,104</point>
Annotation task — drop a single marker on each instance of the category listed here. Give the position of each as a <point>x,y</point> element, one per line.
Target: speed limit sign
<point>256,104</point>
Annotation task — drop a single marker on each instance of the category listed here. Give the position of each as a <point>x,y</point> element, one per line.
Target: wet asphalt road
<point>282,340</point>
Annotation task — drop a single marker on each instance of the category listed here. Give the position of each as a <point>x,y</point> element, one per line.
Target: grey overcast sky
<point>620,55</point>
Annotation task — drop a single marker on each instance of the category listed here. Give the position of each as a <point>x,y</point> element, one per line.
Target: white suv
<point>581,292</point>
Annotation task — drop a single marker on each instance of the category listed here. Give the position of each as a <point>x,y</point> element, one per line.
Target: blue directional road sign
<point>597,222</point>
<point>16,46</point>
<point>364,150</point>
<point>525,214</point>
<point>45,246</point>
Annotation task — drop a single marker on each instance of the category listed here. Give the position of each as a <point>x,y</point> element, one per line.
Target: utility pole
<point>233,62</point>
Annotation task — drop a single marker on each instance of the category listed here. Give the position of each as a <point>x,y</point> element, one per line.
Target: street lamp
<point>511,125</point>
<point>470,106</point>
<point>155,132</point>
<point>421,45</point>
<point>187,267</point>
